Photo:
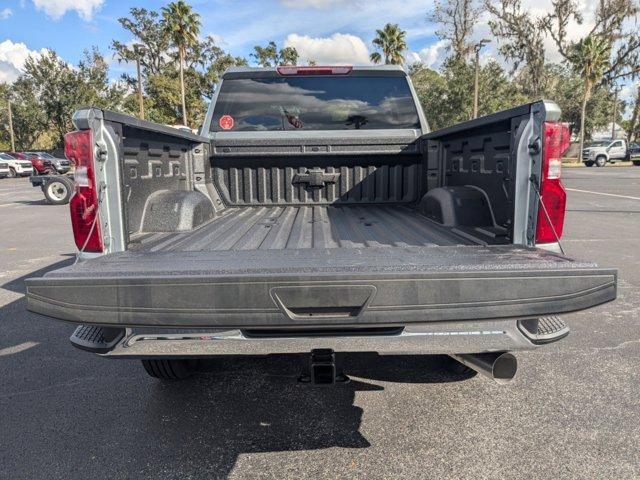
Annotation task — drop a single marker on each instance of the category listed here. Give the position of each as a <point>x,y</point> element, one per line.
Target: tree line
<point>178,68</point>
<point>582,83</point>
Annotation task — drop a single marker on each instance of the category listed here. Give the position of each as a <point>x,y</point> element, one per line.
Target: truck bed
<point>301,227</point>
<point>320,232</point>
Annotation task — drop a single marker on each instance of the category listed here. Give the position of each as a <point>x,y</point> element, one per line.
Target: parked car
<point>316,213</point>
<point>4,169</point>
<point>634,153</point>
<point>603,152</point>
<point>40,165</point>
<point>18,167</point>
<point>61,165</point>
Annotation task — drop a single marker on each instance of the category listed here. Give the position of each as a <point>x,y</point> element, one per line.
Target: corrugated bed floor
<point>253,228</point>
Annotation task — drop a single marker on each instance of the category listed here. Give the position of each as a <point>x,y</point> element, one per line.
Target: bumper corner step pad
<point>96,339</point>
<point>544,329</point>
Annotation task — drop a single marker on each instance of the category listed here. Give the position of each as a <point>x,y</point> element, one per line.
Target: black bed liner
<point>296,227</point>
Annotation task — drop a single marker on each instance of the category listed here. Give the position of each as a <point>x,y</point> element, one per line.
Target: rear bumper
<point>433,338</point>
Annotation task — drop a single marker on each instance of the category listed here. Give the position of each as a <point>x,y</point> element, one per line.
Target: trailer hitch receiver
<point>322,368</point>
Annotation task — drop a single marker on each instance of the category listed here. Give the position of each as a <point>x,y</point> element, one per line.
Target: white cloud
<point>360,17</point>
<point>5,13</point>
<point>412,57</point>
<point>12,59</point>
<point>432,55</point>
<point>57,8</point>
<point>8,73</point>
<point>339,48</point>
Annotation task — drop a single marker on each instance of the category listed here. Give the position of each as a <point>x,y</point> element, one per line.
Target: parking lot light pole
<point>11,136</point>
<point>137,48</point>
<point>478,46</point>
<point>616,90</point>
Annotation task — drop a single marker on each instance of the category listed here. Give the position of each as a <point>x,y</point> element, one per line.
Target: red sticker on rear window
<point>226,122</point>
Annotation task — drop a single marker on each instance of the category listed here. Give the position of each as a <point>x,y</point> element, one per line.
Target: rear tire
<point>12,172</point>
<point>601,161</point>
<point>58,192</point>
<point>169,369</point>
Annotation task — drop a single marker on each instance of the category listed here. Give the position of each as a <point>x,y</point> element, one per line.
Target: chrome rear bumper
<point>432,338</point>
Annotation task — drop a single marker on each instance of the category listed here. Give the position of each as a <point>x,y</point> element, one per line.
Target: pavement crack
<point>70,383</point>
<point>620,345</point>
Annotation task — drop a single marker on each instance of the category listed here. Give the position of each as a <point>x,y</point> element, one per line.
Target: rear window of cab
<point>314,103</point>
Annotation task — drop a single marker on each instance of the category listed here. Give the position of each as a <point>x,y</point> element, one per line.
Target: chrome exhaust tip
<point>499,366</point>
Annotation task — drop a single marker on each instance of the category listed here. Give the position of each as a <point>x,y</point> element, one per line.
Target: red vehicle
<point>42,166</point>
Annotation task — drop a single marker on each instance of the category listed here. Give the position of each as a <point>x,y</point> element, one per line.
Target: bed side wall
<point>483,158</point>
<point>158,182</point>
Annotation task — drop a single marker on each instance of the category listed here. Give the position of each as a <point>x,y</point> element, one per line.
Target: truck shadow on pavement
<point>17,284</point>
<point>31,202</point>
<point>120,423</point>
<point>244,405</point>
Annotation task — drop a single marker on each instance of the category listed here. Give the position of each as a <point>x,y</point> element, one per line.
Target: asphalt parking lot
<point>573,410</point>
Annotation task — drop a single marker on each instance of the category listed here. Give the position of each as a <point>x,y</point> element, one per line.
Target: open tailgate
<point>319,287</point>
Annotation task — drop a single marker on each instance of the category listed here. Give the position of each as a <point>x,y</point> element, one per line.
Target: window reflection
<point>316,103</point>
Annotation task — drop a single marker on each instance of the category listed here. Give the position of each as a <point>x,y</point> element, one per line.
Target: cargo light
<point>78,147</point>
<point>286,70</point>
<point>553,198</point>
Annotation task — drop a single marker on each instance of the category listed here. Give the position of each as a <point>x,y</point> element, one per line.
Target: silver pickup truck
<point>316,212</point>
<point>605,151</point>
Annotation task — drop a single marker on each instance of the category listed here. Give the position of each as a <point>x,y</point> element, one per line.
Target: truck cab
<point>634,153</point>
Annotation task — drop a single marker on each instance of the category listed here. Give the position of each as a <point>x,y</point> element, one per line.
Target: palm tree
<point>182,25</point>
<point>590,58</point>
<point>392,41</point>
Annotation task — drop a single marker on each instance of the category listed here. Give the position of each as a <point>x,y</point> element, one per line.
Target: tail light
<point>553,198</point>
<point>78,147</point>
<point>286,70</point>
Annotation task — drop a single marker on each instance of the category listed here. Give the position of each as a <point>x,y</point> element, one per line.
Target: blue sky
<point>328,31</point>
<point>70,26</point>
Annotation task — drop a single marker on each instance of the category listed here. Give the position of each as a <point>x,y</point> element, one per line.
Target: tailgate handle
<point>323,301</point>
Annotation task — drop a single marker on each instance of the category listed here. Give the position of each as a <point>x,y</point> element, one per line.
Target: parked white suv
<point>17,167</point>
<point>599,153</point>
